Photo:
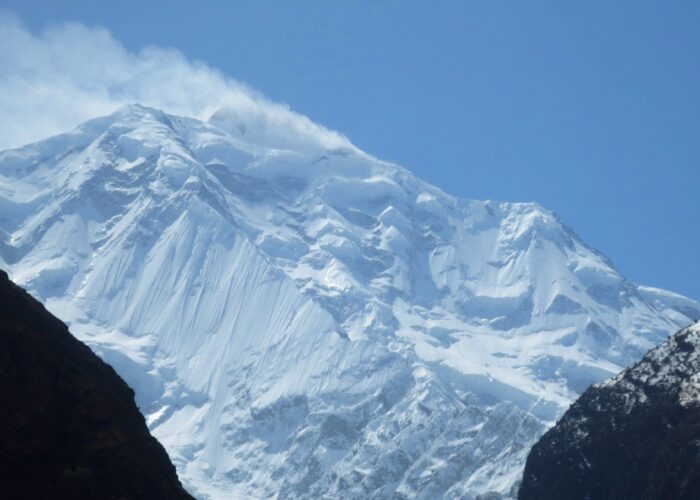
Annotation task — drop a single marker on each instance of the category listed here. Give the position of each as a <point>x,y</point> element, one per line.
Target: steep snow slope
<point>305,321</point>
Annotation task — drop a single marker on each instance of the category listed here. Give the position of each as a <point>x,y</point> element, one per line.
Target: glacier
<point>302,320</point>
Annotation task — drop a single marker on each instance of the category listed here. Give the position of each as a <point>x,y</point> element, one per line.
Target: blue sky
<point>590,108</point>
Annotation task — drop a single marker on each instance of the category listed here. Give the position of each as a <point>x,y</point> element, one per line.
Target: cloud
<point>54,80</point>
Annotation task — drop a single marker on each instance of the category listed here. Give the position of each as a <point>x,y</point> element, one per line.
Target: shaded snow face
<point>306,322</point>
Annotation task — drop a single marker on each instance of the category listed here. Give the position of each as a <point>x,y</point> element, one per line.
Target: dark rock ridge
<point>634,436</point>
<point>69,427</point>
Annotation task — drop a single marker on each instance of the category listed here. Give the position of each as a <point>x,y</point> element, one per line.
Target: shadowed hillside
<point>69,427</point>
<point>636,436</point>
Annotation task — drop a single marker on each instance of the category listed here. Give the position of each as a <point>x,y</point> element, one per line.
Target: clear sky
<point>590,108</point>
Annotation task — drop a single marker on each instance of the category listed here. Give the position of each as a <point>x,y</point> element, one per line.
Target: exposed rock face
<point>69,427</point>
<point>634,436</point>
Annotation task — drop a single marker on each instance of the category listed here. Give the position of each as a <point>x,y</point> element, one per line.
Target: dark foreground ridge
<point>69,427</point>
<point>636,436</point>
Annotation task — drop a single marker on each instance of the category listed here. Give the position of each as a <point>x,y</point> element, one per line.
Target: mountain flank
<point>634,436</point>
<point>69,427</point>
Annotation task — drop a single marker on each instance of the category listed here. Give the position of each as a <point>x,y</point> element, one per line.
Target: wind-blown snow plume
<point>54,80</point>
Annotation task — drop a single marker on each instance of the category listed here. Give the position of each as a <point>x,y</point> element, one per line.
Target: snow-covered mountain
<point>301,319</point>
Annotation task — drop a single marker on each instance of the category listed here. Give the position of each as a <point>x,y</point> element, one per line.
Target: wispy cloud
<point>54,80</point>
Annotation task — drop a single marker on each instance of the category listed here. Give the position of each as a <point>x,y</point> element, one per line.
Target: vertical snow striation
<point>310,321</point>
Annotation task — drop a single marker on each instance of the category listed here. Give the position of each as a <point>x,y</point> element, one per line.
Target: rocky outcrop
<point>634,436</point>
